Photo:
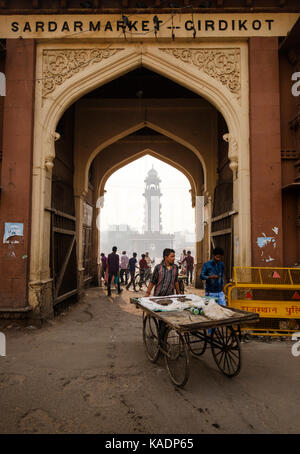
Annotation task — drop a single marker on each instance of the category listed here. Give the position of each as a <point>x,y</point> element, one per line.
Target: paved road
<point>86,372</point>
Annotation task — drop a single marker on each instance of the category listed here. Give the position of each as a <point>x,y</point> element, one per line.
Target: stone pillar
<point>16,176</point>
<point>265,158</point>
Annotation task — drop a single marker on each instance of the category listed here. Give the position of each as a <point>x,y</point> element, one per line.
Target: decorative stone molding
<point>49,164</point>
<point>223,65</point>
<point>61,64</point>
<point>193,197</point>
<point>207,197</point>
<point>232,152</point>
<point>53,136</point>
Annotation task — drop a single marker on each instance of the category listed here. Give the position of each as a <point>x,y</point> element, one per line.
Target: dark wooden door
<point>63,260</point>
<point>222,225</point>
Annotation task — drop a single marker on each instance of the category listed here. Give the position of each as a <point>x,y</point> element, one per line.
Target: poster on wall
<point>13,232</point>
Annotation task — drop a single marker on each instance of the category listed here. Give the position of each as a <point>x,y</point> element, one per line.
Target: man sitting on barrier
<point>213,273</point>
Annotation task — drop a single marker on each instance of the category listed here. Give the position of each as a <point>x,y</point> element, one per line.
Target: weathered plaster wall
<point>15,202</point>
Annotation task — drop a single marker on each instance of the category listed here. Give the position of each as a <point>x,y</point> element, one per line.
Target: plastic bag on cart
<point>174,302</point>
<point>214,311</point>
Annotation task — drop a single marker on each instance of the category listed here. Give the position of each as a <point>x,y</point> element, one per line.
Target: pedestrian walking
<point>165,276</point>
<point>143,267</point>
<point>124,267</point>
<point>182,255</point>
<point>148,259</point>
<point>113,265</point>
<point>103,265</point>
<point>189,260</point>
<point>132,267</point>
<point>213,273</point>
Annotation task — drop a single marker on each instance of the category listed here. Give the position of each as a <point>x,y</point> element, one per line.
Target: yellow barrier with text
<point>273,293</point>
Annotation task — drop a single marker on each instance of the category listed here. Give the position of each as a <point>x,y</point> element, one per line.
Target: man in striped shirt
<point>165,276</point>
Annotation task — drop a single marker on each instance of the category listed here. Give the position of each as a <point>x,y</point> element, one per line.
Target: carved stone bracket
<point>193,197</point>
<point>49,164</point>
<point>232,152</point>
<point>207,198</point>
<point>61,64</point>
<point>223,65</point>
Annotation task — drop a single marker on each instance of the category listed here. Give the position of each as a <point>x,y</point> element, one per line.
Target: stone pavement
<point>86,372</point>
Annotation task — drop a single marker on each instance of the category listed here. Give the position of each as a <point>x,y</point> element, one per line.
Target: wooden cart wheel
<point>226,350</point>
<point>151,337</point>
<point>197,342</point>
<point>176,357</point>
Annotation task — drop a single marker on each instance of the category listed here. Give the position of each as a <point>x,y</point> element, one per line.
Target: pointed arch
<point>135,157</point>
<point>82,186</point>
<point>49,109</point>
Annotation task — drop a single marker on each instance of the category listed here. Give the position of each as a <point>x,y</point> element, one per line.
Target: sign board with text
<point>269,309</point>
<point>134,27</point>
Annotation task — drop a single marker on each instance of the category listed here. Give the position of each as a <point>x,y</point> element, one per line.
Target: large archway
<point>113,63</point>
<point>146,206</point>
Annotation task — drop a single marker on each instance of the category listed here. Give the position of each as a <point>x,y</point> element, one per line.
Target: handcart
<point>178,334</point>
<point>181,280</point>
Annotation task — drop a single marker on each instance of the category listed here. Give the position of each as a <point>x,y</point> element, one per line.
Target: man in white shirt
<point>148,259</point>
<point>183,255</point>
<point>124,267</point>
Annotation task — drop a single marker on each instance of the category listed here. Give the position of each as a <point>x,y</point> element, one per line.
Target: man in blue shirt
<point>213,273</point>
<point>132,267</point>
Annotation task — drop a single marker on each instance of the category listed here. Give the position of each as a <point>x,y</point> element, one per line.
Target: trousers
<point>132,280</point>
<point>110,276</point>
<point>122,272</point>
<point>220,298</point>
<point>189,275</point>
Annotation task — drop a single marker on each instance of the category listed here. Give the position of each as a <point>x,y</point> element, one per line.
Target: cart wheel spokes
<point>197,342</point>
<point>226,350</point>
<point>176,357</point>
<point>151,338</point>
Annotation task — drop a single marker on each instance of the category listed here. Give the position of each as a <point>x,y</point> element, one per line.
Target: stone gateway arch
<point>203,115</point>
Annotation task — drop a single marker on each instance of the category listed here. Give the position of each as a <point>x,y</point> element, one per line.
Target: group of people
<point>164,278</point>
<point>122,267</point>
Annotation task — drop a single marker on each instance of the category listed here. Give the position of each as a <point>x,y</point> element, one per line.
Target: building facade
<point>212,89</point>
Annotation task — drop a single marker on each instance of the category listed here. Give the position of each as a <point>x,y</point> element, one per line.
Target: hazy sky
<point>124,202</point>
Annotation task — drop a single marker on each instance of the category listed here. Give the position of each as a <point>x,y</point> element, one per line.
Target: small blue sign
<point>12,231</point>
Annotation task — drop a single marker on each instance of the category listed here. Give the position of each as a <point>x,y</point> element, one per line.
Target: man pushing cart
<point>165,276</point>
<point>173,328</point>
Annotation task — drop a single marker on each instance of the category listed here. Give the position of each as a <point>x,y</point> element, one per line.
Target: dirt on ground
<point>86,371</point>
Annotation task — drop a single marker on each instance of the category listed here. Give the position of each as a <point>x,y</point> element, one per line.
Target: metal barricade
<point>273,293</point>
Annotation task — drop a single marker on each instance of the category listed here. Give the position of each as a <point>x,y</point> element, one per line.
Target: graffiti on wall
<point>267,244</point>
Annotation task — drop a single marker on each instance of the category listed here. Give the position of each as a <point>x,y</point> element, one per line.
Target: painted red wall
<point>17,139</point>
<point>265,147</point>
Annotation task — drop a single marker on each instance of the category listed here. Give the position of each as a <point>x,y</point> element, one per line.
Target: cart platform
<point>177,334</point>
<point>185,321</point>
